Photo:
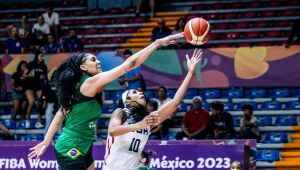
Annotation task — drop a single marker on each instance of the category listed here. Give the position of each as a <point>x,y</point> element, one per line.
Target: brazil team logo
<point>73,153</point>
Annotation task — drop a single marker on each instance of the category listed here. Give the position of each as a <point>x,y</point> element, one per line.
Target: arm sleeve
<point>185,118</point>
<point>47,29</point>
<point>22,43</point>
<point>6,44</point>
<point>206,121</point>
<point>56,19</point>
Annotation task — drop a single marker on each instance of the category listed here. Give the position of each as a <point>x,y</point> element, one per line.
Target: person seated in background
<point>17,82</point>
<point>39,31</point>
<point>132,79</point>
<point>156,131</point>
<point>140,4</point>
<point>161,30</point>
<point>194,122</point>
<point>162,99</point>
<point>220,124</point>
<point>179,27</point>
<point>51,47</point>
<point>248,126</point>
<point>51,100</point>
<point>73,44</point>
<point>8,135</point>
<point>14,44</point>
<point>37,76</point>
<point>2,83</point>
<point>294,32</point>
<point>24,29</point>
<point>52,19</point>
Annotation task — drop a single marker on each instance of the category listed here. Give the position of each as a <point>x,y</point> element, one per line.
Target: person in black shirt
<point>51,100</point>
<point>37,71</point>
<point>17,83</point>
<point>221,124</point>
<point>294,32</point>
<point>2,82</point>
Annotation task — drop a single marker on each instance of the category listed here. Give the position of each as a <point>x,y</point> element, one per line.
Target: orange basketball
<point>197,31</point>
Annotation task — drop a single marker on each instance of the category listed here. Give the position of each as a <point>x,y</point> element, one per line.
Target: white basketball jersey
<point>124,152</point>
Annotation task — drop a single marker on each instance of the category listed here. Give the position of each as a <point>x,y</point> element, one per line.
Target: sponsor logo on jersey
<point>73,153</point>
<point>92,125</point>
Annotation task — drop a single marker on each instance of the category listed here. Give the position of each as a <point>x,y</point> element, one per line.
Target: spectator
<point>162,99</point>
<point>160,31</point>
<point>194,122</point>
<point>140,4</point>
<point>8,134</point>
<point>52,103</point>
<point>38,73</point>
<point>73,44</point>
<point>179,27</point>
<point>156,132</point>
<point>18,81</point>
<point>40,30</point>
<point>2,83</point>
<point>24,27</point>
<point>221,124</point>
<point>248,126</point>
<point>14,44</point>
<point>133,79</point>
<point>52,19</point>
<point>162,96</point>
<point>51,47</point>
<point>294,32</point>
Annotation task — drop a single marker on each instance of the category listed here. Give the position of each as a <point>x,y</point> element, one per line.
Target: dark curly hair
<point>19,68</point>
<point>248,107</point>
<point>66,78</point>
<point>217,106</point>
<point>177,23</point>
<point>36,57</point>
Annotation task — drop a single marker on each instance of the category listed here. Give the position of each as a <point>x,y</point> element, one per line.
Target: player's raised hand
<point>150,120</point>
<point>171,39</point>
<point>37,151</point>
<point>194,60</point>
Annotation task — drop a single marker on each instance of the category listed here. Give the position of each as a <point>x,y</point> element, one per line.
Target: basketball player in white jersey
<point>129,128</point>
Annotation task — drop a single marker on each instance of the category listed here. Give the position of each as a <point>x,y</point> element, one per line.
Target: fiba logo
<point>73,152</point>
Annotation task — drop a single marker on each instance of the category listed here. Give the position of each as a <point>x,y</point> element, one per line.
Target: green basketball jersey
<point>80,124</point>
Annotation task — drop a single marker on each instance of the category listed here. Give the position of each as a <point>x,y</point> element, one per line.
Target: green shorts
<point>18,96</point>
<point>81,162</point>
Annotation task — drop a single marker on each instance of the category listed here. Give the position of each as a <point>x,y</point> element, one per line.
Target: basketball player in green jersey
<point>79,80</point>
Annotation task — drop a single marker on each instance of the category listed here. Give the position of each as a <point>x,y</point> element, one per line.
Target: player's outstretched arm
<point>100,80</point>
<point>38,150</point>
<point>168,108</point>
<point>116,127</point>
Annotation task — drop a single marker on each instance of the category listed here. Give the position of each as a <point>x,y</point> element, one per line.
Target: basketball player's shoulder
<point>118,112</point>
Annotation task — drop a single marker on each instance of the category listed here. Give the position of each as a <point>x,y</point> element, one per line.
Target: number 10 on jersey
<point>134,146</point>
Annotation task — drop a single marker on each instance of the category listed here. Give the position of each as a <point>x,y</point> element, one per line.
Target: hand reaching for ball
<point>171,39</point>
<point>194,60</point>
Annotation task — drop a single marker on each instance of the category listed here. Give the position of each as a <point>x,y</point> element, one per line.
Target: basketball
<point>197,31</point>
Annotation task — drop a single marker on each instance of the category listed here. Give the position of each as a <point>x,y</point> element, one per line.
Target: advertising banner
<point>173,155</point>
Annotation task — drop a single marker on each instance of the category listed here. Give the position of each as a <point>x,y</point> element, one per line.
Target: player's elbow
<point>112,132</point>
<point>131,63</point>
